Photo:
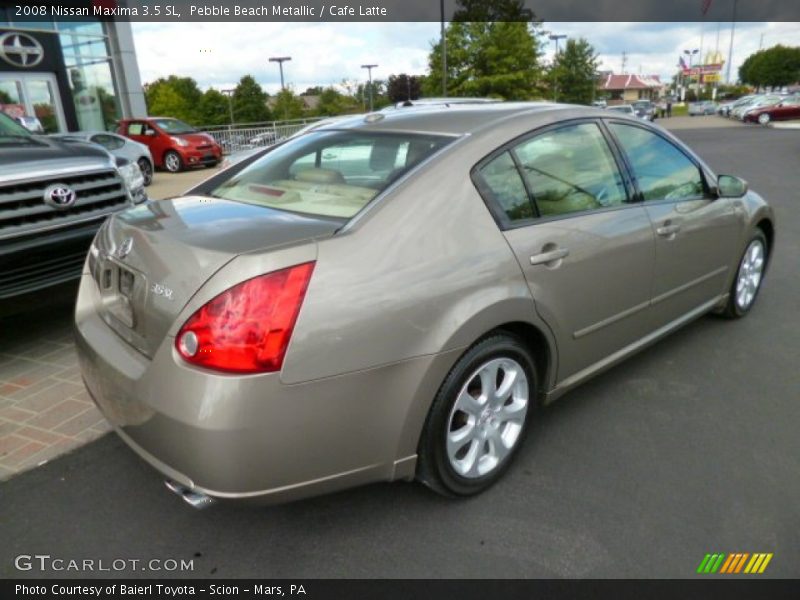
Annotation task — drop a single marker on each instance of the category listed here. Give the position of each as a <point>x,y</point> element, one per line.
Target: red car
<point>173,144</point>
<point>786,109</point>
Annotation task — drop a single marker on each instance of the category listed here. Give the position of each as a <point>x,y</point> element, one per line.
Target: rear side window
<point>662,171</point>
<point>329,173</point>
<point>502,181</point>
<point>571,169</point>
<point>135,128</point>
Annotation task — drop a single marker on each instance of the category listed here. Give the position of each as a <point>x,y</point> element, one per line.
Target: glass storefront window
<point>94,28</point>
<point>96,103</point>
<point>79,45</point>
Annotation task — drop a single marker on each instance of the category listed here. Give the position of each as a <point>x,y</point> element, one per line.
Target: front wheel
<point>479,417</point>
<point>173,161</point>
<point>749,276</point>
<point>147,170</point>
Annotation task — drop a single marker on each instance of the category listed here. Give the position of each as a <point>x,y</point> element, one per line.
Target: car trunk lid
<point>149,261</point>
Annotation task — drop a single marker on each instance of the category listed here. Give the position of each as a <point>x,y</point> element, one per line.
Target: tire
<point>211,165</point>
<point>749,277</point>
<point>494,427</point>
<point>764,118</point>
<point>173,161</point>
<point>147,170</point>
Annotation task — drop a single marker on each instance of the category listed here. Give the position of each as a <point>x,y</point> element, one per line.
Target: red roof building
<point>620,89</point>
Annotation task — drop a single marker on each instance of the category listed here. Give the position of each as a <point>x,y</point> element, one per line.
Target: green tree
<point>313,91</point>
<point>332,102</point>
<point>403,87</point>
<point>288,105</point>
<point>250,102</point>
<point>214,108</point>
<point>776,67</point>
<point>174,96</point>
<point>573,74</point>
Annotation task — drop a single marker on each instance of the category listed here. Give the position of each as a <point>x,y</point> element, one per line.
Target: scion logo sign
<point>20,49</point>
<point>734,563</point>
<point>59,195</point>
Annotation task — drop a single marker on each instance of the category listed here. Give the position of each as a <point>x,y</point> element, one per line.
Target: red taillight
<point>247,328</point>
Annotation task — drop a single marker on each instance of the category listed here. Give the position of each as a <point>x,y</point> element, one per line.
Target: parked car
<point>600,103</point>
<point>740,111</point>
<point>267,138</point>
<point>31,123</point>
<point>644,109</point>
<point>388,297</point>
<point>118,146</point>
<point>727,108</point>
<point>173,144</point>
<point>705,107</point>
<point>785,110</point>
<point>625,109</point>
<point>53,197</point>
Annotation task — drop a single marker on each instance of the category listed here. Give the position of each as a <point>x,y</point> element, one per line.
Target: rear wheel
<point>749,276</point>
<point>173,161</point>
<point>479,417</point>
<point>764,118</point>
<point>147,170</point>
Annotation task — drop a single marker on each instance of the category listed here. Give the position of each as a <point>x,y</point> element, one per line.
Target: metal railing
<point>241,136</point>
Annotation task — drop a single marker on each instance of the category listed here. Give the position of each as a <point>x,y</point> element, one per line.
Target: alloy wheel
<point>147,170</point>
<point>173,162</point>
<point>487,418</point>
<point>763,118</point>
<point>751,271</point>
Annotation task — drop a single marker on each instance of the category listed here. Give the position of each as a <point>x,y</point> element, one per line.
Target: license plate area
<point>122,289</point>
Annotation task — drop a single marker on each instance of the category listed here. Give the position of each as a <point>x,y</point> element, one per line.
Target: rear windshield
<point>329,173</point>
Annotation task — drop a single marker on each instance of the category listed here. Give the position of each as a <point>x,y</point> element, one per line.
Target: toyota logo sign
<point>59,195</point>
<point>20,49</point>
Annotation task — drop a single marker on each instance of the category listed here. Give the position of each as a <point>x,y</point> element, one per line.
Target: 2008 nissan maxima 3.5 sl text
<point>389,296</point>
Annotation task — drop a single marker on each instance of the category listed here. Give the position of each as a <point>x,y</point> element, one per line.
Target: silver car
<point>388,297</point>
<point>120,147</point>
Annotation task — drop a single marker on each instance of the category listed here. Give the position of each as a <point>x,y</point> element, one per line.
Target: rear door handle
<point>668,230</point>
<point>549,257</point>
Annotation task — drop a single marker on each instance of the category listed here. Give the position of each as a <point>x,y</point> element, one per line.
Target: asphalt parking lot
<point>689,448</point>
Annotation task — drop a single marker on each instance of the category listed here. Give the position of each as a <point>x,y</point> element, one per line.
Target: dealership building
<point>71,75</point>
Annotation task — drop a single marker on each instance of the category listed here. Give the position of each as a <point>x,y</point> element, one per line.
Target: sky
<point>218,54</point>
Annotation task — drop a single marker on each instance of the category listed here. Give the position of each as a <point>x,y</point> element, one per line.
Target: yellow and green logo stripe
<point>734,563</point>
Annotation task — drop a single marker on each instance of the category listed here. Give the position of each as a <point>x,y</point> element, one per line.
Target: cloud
<point>218,54</point>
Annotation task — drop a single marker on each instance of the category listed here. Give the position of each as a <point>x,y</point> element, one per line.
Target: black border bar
<point>406,10</point>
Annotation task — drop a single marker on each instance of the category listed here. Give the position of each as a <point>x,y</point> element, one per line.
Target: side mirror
<point>150,132</point>
<point>729,186</point>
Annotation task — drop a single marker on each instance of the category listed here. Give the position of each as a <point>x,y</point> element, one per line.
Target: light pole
<point>444,52</point>
<point>369,70</point>
<point>730,49</point>
<point>690,54</point>
<point>555,37</point>
<point>280,60</point>
<point>229,93</point>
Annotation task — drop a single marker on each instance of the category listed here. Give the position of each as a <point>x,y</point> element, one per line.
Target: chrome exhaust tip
<point>193,499</point>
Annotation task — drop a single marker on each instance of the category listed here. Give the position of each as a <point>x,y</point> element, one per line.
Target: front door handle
<point>551,256</point>
<point>668,230</point>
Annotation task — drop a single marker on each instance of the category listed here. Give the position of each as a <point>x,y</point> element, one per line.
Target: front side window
<point>571,169</point>
<point>329,173</point>
<point>662,170</point>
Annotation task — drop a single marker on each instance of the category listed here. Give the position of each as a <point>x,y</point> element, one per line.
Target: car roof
<point>456,119</point>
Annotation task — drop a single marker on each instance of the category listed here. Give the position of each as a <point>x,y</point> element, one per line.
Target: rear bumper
<point>250,438</point>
